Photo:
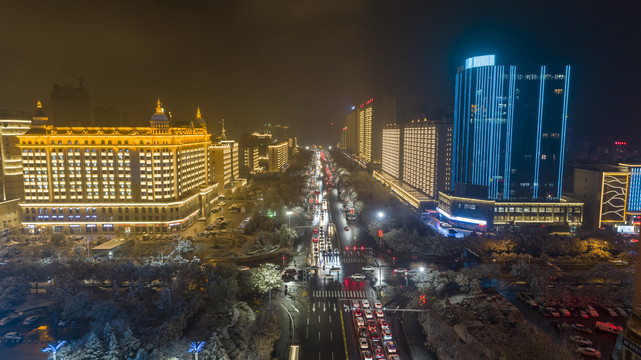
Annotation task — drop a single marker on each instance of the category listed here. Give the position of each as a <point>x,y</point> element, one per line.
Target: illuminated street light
<point>54,348</point>
<point>421,269</point>
<point>196,347</point>
<point>381,215</point>
<point>289,219</point>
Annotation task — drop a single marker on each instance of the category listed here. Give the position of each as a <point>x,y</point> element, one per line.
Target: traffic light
<point>362,248</point>
<point>380,233</point>
<point>354,248</point>
<point>422,298</point>
<point>346,248</point>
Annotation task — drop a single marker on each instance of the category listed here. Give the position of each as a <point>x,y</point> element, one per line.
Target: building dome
<point>199,121</point>
<point>159,115</point>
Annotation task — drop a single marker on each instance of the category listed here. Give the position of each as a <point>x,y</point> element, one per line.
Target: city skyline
<point>245,62</point>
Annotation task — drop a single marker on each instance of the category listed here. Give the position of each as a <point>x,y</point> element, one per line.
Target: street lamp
<point>53,348</point>
<point>196,347</point>
<point>289,218</point>
<point>380,215</point>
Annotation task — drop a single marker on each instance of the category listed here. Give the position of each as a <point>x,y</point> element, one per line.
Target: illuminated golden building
<point>116,179</point>
<point>277,156</point>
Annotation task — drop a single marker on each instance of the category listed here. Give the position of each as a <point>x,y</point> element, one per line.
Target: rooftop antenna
<point>222,131</point>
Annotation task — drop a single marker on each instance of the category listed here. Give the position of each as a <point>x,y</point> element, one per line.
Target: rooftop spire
<point>159,109</point>
<point>198,116</point>
<point>39,105</point>
<point>222,131</point>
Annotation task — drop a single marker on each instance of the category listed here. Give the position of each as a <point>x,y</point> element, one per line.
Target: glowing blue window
<point>485,60</point>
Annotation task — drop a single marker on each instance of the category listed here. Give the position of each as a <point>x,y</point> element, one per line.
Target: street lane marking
<point>344,337</point>
<point>330,318</point>
<point>331,336</point>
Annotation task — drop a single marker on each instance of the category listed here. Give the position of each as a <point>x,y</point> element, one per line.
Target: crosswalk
<point>339,294</point>
<point>350,260</point>
<point>411,294</point>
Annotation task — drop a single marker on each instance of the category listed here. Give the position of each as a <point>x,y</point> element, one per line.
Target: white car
<point>30,320</point>
<point>387,334</point>
<point>400,271</point>
<point>367,268</point>
<point>378,304</point>
<point>363,343</point>
<point>368,314</point>
<point>360,322</point>
<point>13,336</point>
<point>358,277</point>
<point>365,303</point>
<point>379,313</point>
<point>5,321</point>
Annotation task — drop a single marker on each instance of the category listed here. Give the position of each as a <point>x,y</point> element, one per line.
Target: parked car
<point>611,312</point>
<point>588,351</point>
<point>580,328</point>
<point>565,312</point>
<point>6,320</point>
<point>591,311</point>
<point>608,327</point>
<point>583,314</point>
<point>14,335</point>
<point>580,340</point>
<point>552,311</point>
<point>622,312</point>
<point>30,320</point>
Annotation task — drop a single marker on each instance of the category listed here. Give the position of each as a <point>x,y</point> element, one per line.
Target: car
<point>611,312</point>
<point>621,312</point>
<point>552,311</point>
<point>383,324</point>
<point>378,304</point>
<point>583,314</point>
<point>591,311</point>
<point>365,303</point>
<point>358,277</point>
<point>379,314</point>
<point>371,325</point>
<point>565,312</point>
<point>531,303</point>
<point>360,321</point>
<point>580,328</point>
<point>358,312</point>
<point>368,268</point>
<point>367,355</point>
<point>588,351</point>
<point>394,357</point>
<point>336,251</point>
<point>6,320</point>
<point>379,353</point>
<point>62,323</point>
<point>356,304</point>
<point>315,230</point>
<point>329,277</point>
<point>608,327</point>
<point>346,228</point>
<point>580,340</point>
<point>369,314</point>
<point>387,334</point>
<point>363,343</point>
<point>390,346</point>
<point>30,320</point>
<point>362,332</point>
<point>14,335</point>
<point>315,240</point>
<point>400,271</point>
<point>374,337</point>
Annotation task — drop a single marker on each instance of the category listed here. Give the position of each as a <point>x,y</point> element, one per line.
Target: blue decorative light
<point>477,61</point>
<point>196,347</point>
<point>539,126</point>
<point>564,122</point>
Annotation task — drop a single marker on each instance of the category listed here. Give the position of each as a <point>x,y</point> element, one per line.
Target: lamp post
<point>53,348</point>
<point>289,219</point>
<point>196,347</point>
<point>380,215</point>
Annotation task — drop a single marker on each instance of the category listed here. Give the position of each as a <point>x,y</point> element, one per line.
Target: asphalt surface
<point>318,308</point>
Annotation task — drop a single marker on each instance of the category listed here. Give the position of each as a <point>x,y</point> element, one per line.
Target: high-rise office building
<point>124,179</point>
<point>351,131</point>
<point>365,128</point>
<point>509,130</point>
<point>277,156</point>
<point>391,156</point>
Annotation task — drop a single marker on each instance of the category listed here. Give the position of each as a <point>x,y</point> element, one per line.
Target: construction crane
<point>79,77</point>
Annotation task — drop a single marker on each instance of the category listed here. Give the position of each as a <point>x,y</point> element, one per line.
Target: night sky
<point>303,63</point>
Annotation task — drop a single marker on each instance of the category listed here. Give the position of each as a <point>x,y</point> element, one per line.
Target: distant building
<point>116,179</point>
<point>612,195</point>
<point>364,128</point>
<point>71,105</point>
<point>12,124</point>
<point>293,146</point>
<point>417,154</point>
<point>278,132</point>
<point>248,162</point>
<point>221,164</point>
<point>277,156</point>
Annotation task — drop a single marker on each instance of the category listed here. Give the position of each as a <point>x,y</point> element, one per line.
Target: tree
<point>129,345</point>
<point>265,278</point>
<point>93,348</point>
<point>604,272</point>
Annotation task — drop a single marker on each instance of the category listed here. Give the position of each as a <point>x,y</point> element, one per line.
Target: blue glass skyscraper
<point>509,130</point>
